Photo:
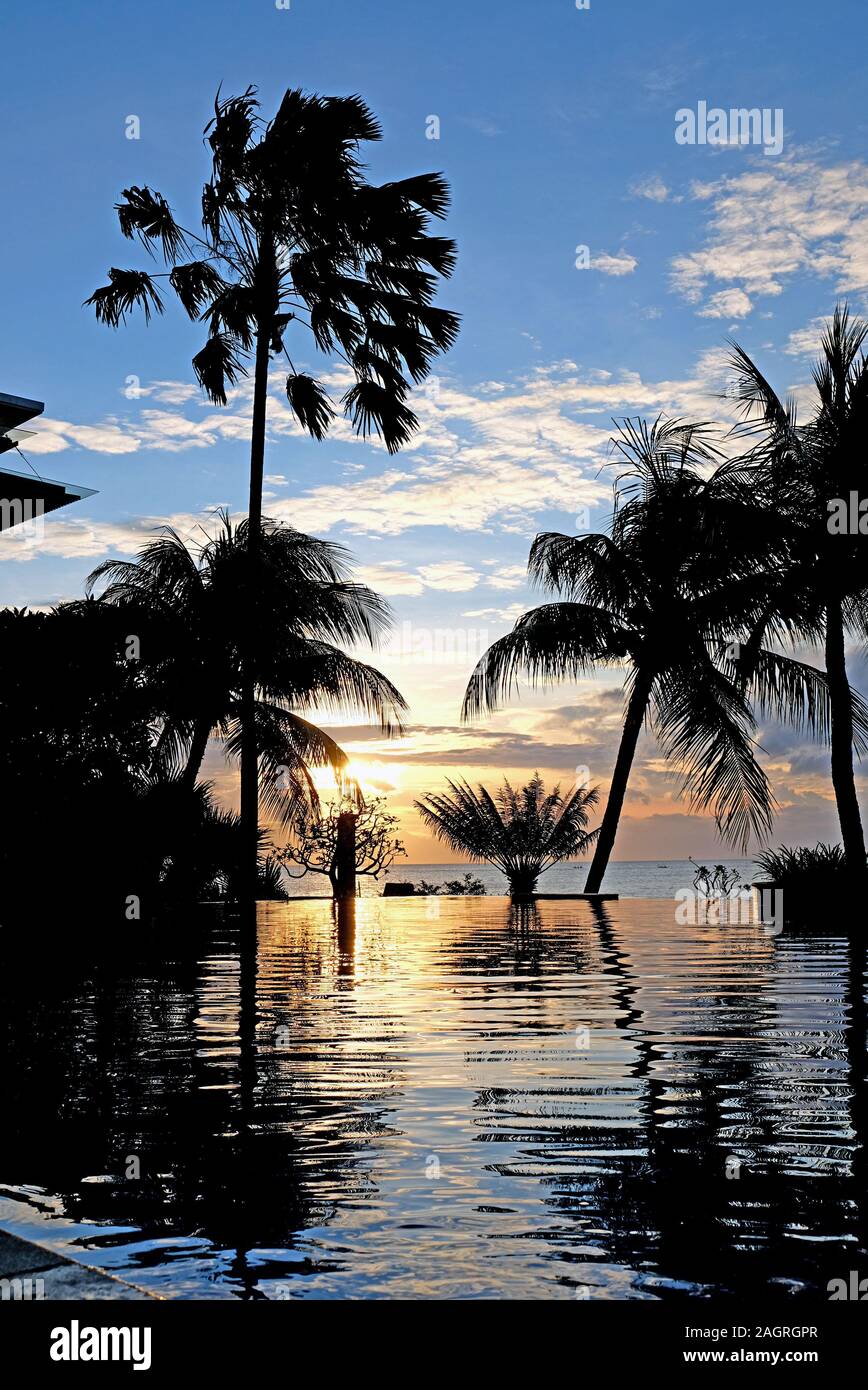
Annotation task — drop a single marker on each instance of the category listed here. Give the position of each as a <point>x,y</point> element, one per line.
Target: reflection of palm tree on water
<point>709,1184</point>
<point>220,1163</point>
<point>253,1154</point>
<point>699,1193</point>
<point>857,1058</point>
<point>249,1158</point>
<point>250,1154</point>
<point>344,917</point>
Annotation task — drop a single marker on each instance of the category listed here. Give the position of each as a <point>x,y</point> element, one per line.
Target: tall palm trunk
<point>843,779</point>
<point>196,754</point>
<point>249,749</point>
<point>636,707</point>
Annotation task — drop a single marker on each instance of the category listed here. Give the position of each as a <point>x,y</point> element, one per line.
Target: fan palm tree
<point>685,570</point>
<point>198,626</point>
<point>292,237</point>
<point>805,470</point>
<point>522,833</point>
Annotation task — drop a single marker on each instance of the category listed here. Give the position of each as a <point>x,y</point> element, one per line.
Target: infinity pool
<point>448,1098</point>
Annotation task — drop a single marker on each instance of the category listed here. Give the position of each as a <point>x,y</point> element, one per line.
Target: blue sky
<point>556,131</point>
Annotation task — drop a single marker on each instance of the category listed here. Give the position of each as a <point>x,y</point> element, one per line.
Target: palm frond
<point>230,132</point>
<point>126,290</point>
<point>196,283</point>
<point>216,365</point>
<point>705,725</point>
<point>310,404</point>
<point>756,396</point>
<point>146,215</point>
<point>797,694</point>
<point>556,642</point>
<point>376,410</point>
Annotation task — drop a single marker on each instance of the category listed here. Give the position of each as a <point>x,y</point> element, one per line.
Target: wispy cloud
<point>483,125</point>
<point>77,537</point>
<point>805,342</point>
<point>621,263</point>
<point>481,461</point>
<point>653,188</point>
<point>798,216</point>
<point>501,615</point>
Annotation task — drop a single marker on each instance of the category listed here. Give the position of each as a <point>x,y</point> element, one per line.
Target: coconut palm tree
<point>685,570</point>
<point>198,625</point>
<point>808,473</point>
<point>522,833</point>
<point>292,237</point>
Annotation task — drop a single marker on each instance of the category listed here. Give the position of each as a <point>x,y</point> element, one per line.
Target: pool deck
<point>29,1271</point>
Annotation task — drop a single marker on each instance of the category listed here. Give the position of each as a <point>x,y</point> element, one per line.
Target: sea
<point>629,878</point>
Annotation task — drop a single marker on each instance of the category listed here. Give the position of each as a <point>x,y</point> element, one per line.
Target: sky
<point>602,265</point>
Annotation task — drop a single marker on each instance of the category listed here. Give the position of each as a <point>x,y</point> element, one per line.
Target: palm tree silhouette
<point>522,832</point>
<point>292,235</point>
<point>665,593</point>
<point>803,469</point>
<point>199,626</point>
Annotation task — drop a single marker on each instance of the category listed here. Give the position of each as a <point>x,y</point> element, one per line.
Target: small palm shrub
<point>270,876</point>
<point>802,866</point>
<point>522,833</point>
<point>813,880</point>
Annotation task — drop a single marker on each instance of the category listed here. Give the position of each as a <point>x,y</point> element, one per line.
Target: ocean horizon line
<point>479,863</point>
